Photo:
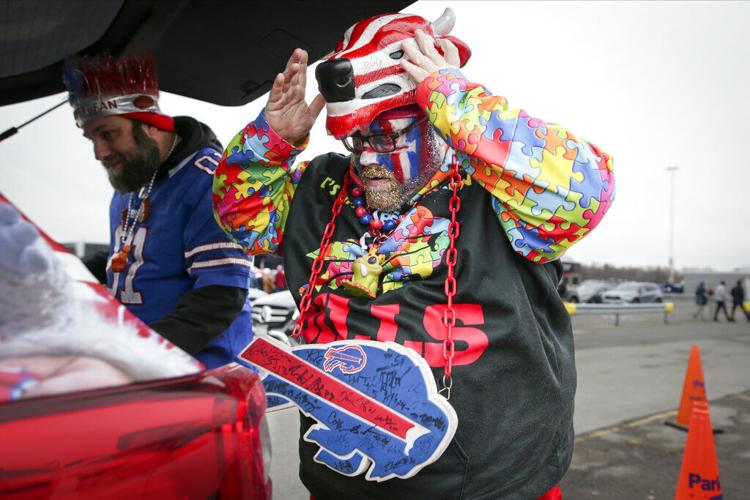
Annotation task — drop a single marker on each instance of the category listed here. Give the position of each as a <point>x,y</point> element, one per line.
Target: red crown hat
<point>127,87</point>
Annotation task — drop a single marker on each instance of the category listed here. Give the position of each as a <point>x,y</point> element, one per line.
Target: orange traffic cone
<point>693,390</point>
<point>699,474</point>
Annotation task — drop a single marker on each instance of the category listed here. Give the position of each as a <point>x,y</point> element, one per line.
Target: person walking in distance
<point>738,298</point>
<point>701,299</point>
<point>279,281</point>
<point>721,298</point>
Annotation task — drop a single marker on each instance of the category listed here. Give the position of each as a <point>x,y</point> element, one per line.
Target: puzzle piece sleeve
<point>549,187</point>
<point>254,185</point>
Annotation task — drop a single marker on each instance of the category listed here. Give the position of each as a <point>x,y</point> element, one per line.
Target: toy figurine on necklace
<point>366,278</point>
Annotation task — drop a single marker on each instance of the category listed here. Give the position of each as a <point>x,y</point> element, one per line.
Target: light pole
<point>671,169</point>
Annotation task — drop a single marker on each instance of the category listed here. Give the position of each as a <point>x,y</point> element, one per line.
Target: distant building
<point>693,276</point>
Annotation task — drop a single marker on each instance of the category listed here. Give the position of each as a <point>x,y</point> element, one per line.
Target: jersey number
<point>128,294</point>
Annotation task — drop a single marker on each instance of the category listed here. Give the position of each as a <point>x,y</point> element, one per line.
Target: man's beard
<point>137,170</point>
<point>383,197</point>
<point>392,196</point>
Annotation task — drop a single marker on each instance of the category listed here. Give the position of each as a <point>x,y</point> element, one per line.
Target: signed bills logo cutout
<point>376,403</point>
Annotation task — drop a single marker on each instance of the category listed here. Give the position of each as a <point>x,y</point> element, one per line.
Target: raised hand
<point>422,58</point>
<point>287,112</point>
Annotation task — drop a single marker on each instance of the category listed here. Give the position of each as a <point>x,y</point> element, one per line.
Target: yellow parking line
<point>627,425</point>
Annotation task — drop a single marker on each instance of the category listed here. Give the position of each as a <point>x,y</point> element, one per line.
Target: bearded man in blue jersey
<point>168,261</point>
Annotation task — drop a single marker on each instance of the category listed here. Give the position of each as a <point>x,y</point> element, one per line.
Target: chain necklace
<point>131,216</point>
<point>450,285</point>
<point>451,258</point>
<point>325,243</point>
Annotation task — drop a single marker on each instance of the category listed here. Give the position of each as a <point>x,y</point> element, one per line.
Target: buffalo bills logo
<point>348,359</point>
<point>376,404</point>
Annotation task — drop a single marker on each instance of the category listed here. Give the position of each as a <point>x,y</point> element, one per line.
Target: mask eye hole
<point>397,55</point>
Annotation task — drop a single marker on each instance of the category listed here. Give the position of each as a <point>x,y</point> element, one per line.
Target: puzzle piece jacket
<point>530,189</point>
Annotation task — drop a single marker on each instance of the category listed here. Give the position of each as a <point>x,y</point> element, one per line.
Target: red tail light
<point>192,437</point>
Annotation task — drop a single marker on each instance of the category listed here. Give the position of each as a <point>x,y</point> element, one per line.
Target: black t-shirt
<point>514,372</point>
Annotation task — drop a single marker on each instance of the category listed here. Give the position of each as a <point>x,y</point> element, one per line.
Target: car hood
<point>277,299</point>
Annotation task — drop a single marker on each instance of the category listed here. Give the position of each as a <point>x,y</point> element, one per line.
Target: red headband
<point>162,122</point>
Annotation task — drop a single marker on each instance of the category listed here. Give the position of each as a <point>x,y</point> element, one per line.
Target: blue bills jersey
<point>178,247</point>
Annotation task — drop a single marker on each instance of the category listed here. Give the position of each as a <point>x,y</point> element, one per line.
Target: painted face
<point>399,154</point>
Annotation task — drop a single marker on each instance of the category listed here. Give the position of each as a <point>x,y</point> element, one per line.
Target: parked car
<point>95,404</point>
<point>673,287</point>
<point>255,293</point>
<point>589,291</point>
<point>197,436</point>
<point>274,312</point>
<point>633,292</point>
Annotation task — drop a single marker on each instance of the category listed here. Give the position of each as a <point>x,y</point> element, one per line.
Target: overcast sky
<point>653,83</point>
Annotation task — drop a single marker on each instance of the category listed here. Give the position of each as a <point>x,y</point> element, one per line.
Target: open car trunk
<point>225,52</point>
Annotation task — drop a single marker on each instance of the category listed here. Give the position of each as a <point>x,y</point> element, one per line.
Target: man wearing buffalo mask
<point>441,231</point>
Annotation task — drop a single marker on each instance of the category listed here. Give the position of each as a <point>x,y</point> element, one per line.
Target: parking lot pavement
<point>630,379</point>
<point>283,424</point>
<point>640,459</point>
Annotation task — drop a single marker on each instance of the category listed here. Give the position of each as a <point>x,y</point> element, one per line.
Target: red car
<point>94,404</point>
<point>197,436</point>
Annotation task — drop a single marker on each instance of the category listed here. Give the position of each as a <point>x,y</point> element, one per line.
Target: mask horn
<point>444,24</point>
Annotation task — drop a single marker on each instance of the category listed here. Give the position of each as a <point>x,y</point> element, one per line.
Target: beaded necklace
<point>131,216</point>
<point>375,220</point>
<point>366,269</point>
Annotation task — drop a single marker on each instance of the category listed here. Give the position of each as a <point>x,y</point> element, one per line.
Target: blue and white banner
<point>376,404</point>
